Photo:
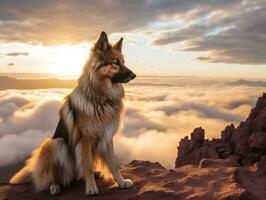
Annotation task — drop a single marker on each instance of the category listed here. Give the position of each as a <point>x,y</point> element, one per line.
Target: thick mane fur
<point>98,100</point>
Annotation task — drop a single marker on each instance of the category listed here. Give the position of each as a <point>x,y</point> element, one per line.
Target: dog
<point>89,118</point>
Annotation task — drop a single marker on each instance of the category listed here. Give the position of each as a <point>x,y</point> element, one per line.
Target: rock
<point>186,149</point>
<point>216,163</point>
<point>233,159</point>
<point>261,166</point>
<point>147,164</point>
<point>228,132</point>
<point>247,142</point>
<point>152,181</point>
<point>194,150</point>
<point>197,136</point>
<point>257,141</point>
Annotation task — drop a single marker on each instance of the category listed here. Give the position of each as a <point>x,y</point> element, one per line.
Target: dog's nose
<point>132,75</point>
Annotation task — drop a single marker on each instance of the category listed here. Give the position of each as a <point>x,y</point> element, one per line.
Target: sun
<point>68,60</point>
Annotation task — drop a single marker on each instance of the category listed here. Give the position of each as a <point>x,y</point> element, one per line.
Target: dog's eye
<point>116,62</point>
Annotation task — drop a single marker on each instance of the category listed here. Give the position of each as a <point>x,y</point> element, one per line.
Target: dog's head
<point>108,62</point>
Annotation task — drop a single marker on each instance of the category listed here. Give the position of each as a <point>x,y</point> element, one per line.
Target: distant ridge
<point>254,83</point>
<point>13,83</point>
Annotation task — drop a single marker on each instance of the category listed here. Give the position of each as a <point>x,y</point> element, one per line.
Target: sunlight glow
<point>68,60</point>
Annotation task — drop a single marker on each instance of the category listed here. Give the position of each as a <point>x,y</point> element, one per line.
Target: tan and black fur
<point>89,118</point>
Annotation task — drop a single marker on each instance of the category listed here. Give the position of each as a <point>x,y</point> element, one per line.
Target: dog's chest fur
<point>95,127</point>
<point>99,119</point>
<point>94,113</point>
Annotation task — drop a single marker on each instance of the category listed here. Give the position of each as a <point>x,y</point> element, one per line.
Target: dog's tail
<point>23,176</point>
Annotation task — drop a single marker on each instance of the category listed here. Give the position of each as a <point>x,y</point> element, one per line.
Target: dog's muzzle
<point>123,77</point>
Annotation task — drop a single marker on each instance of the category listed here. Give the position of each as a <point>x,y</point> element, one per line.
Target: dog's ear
<point>118,45</point>
<point>102,44</point>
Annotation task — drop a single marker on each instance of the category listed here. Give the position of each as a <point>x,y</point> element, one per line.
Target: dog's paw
<point>127,183</point>
<point>92,190</point>
<point>54,189</point>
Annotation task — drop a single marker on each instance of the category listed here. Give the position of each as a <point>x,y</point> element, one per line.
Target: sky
<point>211,38</point>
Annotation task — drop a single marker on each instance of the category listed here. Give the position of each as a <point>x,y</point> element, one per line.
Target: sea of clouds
<point>159,111</point>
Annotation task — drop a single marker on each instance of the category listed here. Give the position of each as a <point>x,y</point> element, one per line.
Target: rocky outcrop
<point>246,143</point>
<point>261,166</point>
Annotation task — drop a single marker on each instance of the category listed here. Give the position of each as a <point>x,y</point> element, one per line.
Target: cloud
<point>17,54</point>
<point>152,123</point>
<point>251,83</point>
<point>205,111</point>
<point>73,21</point>
<point>10,64</point>
<point>138,122</point>
<point>236,103</point>
<point>34,117</point>
<point>10,104</point>
<point>77,21</point>
<point>151,145</point>
<point>230,35</point>
<point>14,147</point>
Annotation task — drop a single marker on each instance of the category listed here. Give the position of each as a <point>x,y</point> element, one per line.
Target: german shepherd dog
<point>89,118</point>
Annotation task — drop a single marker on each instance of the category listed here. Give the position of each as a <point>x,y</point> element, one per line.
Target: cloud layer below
<point>158,113</point>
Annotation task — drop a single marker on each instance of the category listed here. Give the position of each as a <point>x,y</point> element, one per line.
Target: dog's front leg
<point>112,164</point>
<point>87,166</point>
